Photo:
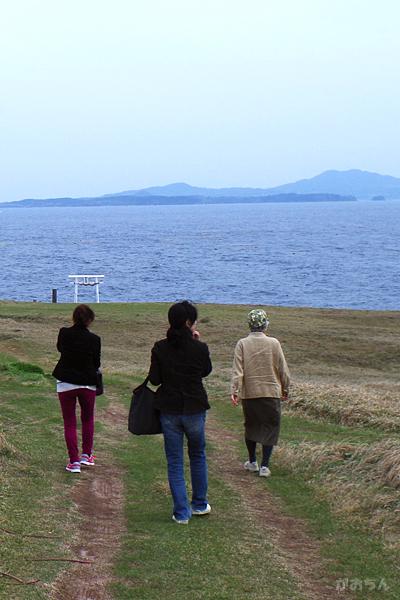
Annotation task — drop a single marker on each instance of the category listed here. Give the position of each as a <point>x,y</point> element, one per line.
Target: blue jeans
<point>193,427</point>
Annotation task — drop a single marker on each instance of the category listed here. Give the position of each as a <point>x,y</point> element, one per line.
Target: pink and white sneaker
<point>74,467</point>
<point>87,460</point>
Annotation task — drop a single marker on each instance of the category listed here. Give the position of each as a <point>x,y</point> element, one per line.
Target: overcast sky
<point>101,96</point>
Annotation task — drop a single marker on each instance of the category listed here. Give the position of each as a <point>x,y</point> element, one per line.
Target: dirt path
<point>98,497</point>
<point>295,547</point>
<point>99,500</point>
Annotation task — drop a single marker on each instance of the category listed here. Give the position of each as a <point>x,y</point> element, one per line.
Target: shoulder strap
<point>141,385</point>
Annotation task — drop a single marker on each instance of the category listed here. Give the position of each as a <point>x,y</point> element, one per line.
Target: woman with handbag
<point>77,373</point>
<point>178,364</point>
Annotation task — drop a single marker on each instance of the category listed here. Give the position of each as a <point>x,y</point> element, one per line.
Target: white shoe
<point>205,511</point>
<point>87,460</point>
<point>265,472</point>
<point>180,521</point>
<point>251,466</point>
<point>74,467</point>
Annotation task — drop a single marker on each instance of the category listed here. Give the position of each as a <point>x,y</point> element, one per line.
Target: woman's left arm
<point>284,374</point>
<point>155,369</point>
<point>207,364</point>
<point>97,355</point>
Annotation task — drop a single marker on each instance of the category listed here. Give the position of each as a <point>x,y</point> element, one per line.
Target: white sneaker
<point>265,472</point>
<point>74,467</point>
<point>251,466</point>
<point>87,460</point>
<point>205,511</point>
<point>180,521</point>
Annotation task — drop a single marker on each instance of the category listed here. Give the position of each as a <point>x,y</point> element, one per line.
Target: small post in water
<point>54,296</point>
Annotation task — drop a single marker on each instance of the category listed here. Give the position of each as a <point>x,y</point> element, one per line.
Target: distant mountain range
<point>333,186</point>
<point>361,184</point>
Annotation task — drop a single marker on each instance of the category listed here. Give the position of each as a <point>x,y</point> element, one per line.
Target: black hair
<point>179,315</point>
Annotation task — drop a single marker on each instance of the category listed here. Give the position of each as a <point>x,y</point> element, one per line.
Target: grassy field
<point>336,472</point>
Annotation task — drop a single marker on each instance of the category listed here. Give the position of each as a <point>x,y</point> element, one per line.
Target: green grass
<point>213,556</point>
<point>209,559</point>
<point>33,490</point>
<point>352,551</point>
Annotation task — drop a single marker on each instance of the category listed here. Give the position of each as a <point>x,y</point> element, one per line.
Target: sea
<point>325,254</point>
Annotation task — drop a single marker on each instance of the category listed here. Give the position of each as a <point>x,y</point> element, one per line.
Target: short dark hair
<point>83,315</point>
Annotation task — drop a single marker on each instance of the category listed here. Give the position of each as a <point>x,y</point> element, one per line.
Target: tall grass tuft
<point>348,405</point>
<point>6,449</point>
<point>360,481</point>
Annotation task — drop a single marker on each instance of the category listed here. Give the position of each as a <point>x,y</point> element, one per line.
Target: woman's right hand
<point>235,399</point>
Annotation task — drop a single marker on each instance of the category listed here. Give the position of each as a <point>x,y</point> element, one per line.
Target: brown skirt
<point>262,420</point>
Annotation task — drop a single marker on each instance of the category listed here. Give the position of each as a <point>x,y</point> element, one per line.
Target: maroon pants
<point>86,399</point>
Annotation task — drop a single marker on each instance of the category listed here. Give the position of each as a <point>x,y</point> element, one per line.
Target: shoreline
<point>270,307</point>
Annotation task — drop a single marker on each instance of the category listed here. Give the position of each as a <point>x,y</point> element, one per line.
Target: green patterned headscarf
<point>257,320</point>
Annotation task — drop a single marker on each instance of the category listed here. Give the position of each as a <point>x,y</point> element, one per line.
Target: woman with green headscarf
<point>260,379</point>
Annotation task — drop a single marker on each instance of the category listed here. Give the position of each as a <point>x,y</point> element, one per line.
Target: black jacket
<point>180,370</point>
<point>80,355</point>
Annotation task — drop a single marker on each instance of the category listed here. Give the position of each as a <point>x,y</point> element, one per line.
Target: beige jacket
<point>259,368</point>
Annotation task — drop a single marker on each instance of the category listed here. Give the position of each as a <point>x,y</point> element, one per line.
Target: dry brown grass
<point>355,405</point>
<point>5,446</point>
<point>345,367</point>
<point>339,346</point>
<point>360,482</point>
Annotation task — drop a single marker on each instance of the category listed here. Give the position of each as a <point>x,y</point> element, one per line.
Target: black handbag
<point>99,383</point>
<point>144,419</point>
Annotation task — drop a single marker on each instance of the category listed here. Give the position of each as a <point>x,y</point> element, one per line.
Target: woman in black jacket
<point>76,374</point>
<point>178,364</point>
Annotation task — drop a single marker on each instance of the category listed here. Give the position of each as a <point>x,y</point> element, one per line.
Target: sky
<point>102,96</point>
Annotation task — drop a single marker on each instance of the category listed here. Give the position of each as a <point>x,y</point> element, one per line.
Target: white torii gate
<point>92,280</point>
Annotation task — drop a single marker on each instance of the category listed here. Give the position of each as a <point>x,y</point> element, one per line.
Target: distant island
<point>173,200</point>
<point>329,186</point>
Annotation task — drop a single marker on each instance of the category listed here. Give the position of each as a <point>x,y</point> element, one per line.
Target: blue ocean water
<point>309,254</point>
